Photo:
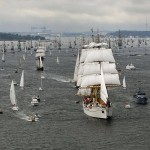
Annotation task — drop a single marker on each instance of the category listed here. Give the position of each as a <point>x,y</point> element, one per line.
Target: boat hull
<point>15,108</point>
<point>141,100</point>
<point>98,112</point>
<point>34,102</point>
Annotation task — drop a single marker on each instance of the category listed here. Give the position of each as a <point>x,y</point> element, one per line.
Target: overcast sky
<point>74,15</point>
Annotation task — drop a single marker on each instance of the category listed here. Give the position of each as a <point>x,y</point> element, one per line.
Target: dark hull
<point>140,100</point>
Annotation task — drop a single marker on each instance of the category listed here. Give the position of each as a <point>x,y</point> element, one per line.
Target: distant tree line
<point>16,37</point>
<point>124,33</point>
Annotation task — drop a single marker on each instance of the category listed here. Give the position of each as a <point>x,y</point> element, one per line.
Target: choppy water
<point>63,125</point>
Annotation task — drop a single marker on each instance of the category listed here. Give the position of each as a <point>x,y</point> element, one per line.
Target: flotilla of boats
<point>95,72</point>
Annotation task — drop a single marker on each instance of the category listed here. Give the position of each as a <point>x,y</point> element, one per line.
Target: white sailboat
<point>3,57</point>
<point>97,70</point>
<point>24,57</point>
<point>13,97</point>
<point>124,83</point>
<point>41,63</point>
<point>40,54</point>
<point>130,67</point>
<point>22,80</point>
<point>34,101</point>
<point>57,60</point>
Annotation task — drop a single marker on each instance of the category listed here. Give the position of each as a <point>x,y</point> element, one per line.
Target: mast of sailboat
<point>92,35</point>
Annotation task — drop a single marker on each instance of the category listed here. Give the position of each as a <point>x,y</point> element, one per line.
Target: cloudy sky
<point>74,15</point>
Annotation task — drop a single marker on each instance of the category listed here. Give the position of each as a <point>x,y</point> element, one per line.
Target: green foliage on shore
<point>16,37</point>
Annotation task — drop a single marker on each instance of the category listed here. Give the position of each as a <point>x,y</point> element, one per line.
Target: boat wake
<point>59,78</point>
<point>22,115</point>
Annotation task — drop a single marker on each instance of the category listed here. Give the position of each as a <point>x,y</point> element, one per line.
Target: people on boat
<point>108,104</point>
<point>86,100</point>
<point>38,98</point>
<point>37,115</point>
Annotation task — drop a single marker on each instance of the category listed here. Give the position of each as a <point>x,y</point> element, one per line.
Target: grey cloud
<point>73,15</point>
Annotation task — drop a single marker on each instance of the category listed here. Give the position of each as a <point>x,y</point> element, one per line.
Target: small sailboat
<point>34,101</point>
<point>40,54</point>
<point>13,97</point>
<point>124,83</point>
<point>57,60</point>
<point>24,57</point>
<point>32,118</point>
<point>127,106</point>
<point>22,80</point>
<point>130,67</point>
<point>41,63</point>
<point>3,57</point>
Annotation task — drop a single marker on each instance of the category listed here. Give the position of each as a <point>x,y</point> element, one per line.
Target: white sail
<point>99,56</point>
<point>76,68</point>
<point>22,80</point>
<point>57,60</point>
<point>124,82</point>
<point>12,94</point>
<point>41,63</point>
<point>24,57</point>
<point>3,57</point>
<point>94,68</point>
<point>91,80</point>
<point>84,91</point>
<point>83,56</point>
<point>103,90</point>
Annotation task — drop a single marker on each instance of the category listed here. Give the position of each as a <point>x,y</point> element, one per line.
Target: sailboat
<point>97,70</point>
<point>3,56</point>
<point>24,57</point>
<point>40,54</point>
<point>13,97</point>
<point>57,60</point>
<point>124,83</point>
<point>22,80</point>
<point>3,59</point>
<point>130,67</point>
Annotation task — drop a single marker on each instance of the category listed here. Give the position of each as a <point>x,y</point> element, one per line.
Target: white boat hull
<point>15,108</point>
<point>31,119</point>
<point>34,102</point>
<point>98,112</point>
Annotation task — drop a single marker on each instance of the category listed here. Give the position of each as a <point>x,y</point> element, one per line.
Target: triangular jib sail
<point>22,80</point>
<point>124,82</point>
<point>12,94</point>
<point>103,90</point>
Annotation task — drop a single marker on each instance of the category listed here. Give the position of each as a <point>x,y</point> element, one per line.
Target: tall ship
<point>40,54</point>
<point>95,71</point>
